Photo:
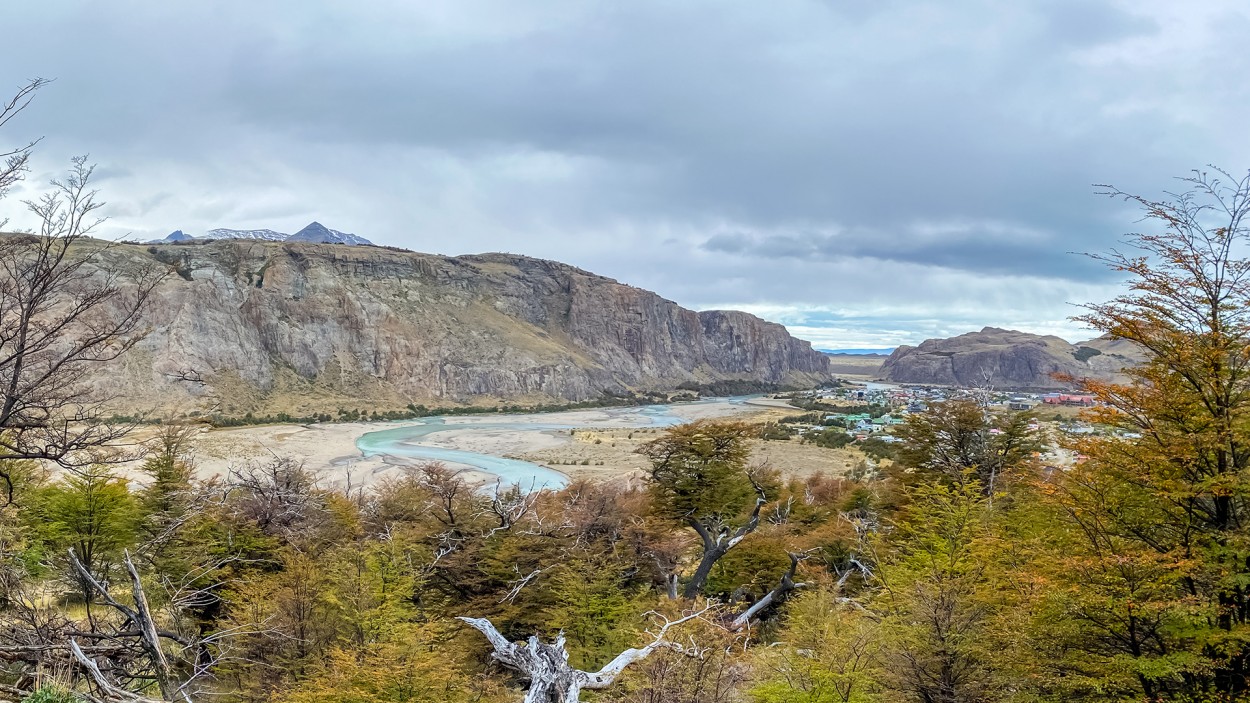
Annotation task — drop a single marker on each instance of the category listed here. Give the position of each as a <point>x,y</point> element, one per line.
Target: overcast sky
<point>867,172</point>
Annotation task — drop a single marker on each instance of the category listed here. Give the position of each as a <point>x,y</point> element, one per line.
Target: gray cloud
<point>975,248</point>
<point>805,159</point>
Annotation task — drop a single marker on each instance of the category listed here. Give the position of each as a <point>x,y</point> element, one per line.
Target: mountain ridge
<point>1008,359</point>
<point>320,234</point>
<point>300,327</point>
<point>314,232</point>
<point>266,235</point>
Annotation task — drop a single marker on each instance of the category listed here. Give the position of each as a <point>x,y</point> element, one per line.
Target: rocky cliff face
<point>300,327</point>
<point>1007,359</point>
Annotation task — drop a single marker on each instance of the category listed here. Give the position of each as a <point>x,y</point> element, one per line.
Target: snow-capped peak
<point>314,232</point>
<point>266,235</point>
<point>317,232</point>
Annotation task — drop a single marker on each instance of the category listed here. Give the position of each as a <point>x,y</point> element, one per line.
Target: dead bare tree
<point>65,310</point>
<point>126,661</point>
<point>15,160</point>
<point>546,665</point>
<point>108,692</point>
<point>141,632</point>
<point>279,496</point>
<point>509,506</point>
<point>68,306</point>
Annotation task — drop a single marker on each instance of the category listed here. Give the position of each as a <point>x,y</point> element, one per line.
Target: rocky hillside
<point>1007,359</point>
<point>299,327</point>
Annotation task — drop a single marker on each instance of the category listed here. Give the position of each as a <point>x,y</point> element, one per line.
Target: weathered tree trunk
<point>146,631</point>
<point>712,552</point>
<point>717,545</point>
<point>552,679</point>
<point>670,586</point>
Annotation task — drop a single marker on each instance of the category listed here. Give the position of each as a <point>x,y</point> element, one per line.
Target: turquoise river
<point>406,441</point>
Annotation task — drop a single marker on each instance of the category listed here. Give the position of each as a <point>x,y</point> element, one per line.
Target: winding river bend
<point>412,440</point>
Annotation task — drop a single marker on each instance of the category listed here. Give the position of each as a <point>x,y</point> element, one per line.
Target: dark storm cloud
<point>731,114</point>
<point>785,157</point>
<point>974,248</point>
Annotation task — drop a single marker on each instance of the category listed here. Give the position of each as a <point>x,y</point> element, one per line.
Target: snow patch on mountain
<point>315,232</point>
<point>264,235</point>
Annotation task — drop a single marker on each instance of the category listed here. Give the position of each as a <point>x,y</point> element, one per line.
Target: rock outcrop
<point>1008,359</point>
<point>301,327</point>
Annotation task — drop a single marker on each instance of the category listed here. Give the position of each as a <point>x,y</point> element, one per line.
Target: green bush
<point>51,694</point>
<point>774,431</point>
<point>832,438</point>
<point>878,448</point>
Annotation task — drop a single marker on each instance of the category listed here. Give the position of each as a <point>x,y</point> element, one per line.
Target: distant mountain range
<point>858,352</point>
<point>265,235</point>
<point>315,232</point>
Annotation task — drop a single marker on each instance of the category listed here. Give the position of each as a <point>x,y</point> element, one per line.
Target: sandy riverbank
<point>330,449</point>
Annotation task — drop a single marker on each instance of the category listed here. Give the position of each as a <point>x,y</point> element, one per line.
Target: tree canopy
<point>962,560</point>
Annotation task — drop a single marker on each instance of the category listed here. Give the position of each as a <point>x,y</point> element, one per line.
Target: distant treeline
<point>412,411</point>
<point>685,392</point>
<point>874,410</point>
<point>719,389</point>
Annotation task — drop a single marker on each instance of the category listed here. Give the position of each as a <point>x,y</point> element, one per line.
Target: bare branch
<point>773,597</point>
<point>607,675</point>
<point>552,679</point>
<point>144,629</point>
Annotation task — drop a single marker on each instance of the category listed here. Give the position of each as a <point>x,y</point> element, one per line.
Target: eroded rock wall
<point>305,327</point>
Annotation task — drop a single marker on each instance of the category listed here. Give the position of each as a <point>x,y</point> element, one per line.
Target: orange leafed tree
<point>1160,556</point>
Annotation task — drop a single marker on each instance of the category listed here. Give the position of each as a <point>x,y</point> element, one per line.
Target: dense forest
<point>967,569</point>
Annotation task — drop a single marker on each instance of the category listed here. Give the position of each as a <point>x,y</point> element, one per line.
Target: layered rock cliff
<point>297,327</point>
<point>1007,359</point>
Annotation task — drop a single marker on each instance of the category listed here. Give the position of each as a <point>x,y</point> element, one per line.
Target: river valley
<point>488,448</point>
